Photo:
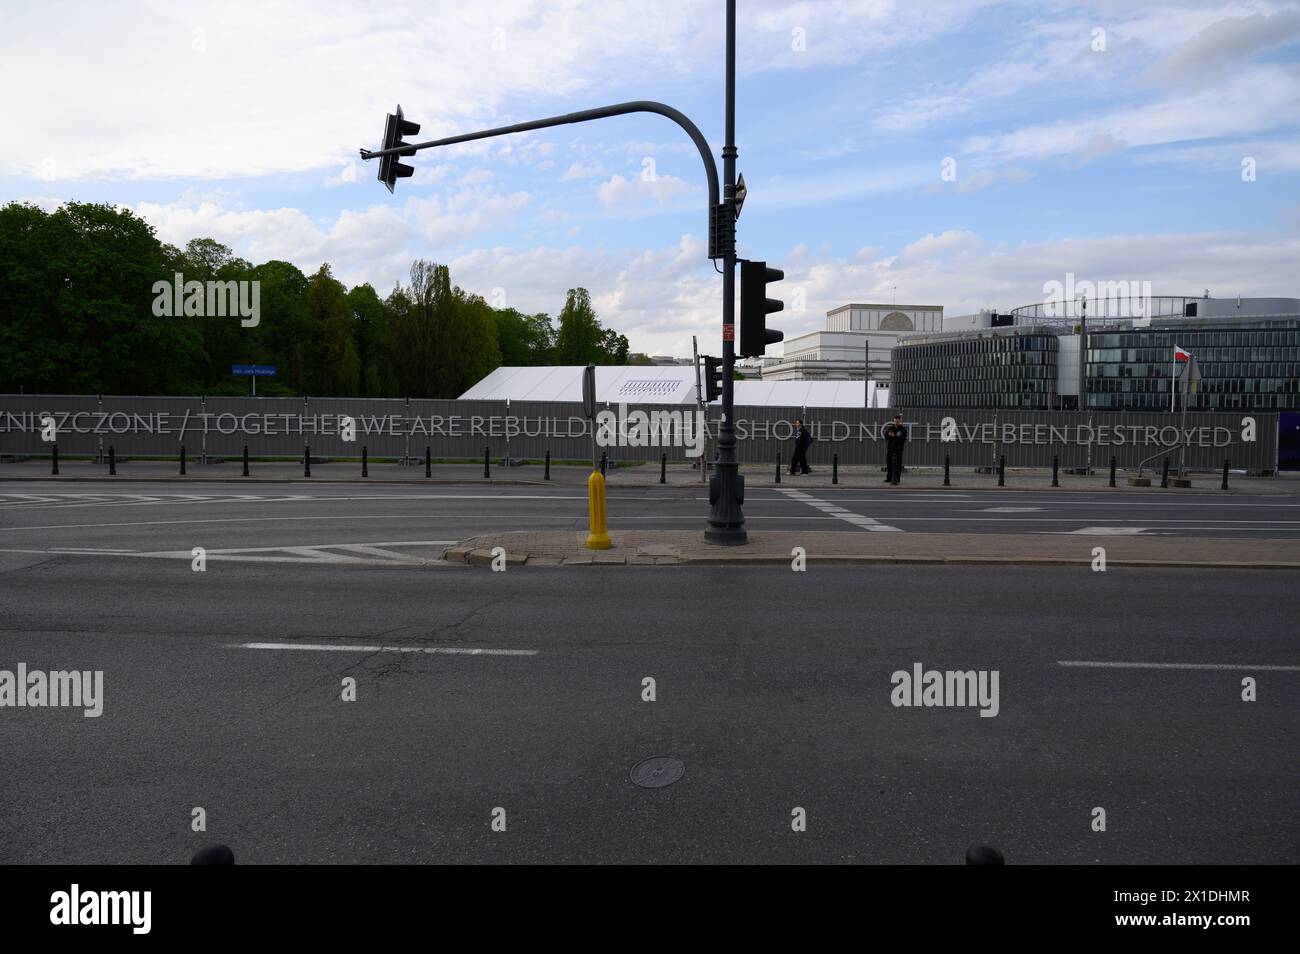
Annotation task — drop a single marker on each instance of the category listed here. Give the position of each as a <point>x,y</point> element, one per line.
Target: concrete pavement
<point>685,547</point>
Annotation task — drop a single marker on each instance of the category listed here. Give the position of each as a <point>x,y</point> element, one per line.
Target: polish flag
<point>1181,355</point>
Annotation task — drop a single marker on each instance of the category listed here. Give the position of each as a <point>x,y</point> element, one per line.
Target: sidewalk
<point>687,547</point>
<point>757,476</point>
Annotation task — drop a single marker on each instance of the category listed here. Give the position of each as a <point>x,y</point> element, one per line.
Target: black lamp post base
<point>726,497</point>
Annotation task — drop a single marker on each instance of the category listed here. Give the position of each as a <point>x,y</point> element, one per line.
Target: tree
<point>336,368</point>
<point>77,300</point>
<point>579,338</point>
<point>524,340</point>
<point>374,342</point>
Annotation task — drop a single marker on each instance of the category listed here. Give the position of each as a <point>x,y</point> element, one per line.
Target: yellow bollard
<point>598,538</point>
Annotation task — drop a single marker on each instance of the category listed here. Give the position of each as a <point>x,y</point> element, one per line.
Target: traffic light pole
<point>726,525</point>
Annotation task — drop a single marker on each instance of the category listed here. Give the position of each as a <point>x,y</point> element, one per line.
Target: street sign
<point>253,370</point>
<point>589,391</point>
<point>740,194</point>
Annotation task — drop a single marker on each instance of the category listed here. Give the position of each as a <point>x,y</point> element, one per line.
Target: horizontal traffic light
<point>755,306</point>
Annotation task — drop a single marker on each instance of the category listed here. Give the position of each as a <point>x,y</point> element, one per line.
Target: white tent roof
<point>629,385</point>
<point>672,384</point>
<point>810,394</point>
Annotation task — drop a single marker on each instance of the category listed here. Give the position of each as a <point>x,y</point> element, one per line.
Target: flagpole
<point>1173,372</point>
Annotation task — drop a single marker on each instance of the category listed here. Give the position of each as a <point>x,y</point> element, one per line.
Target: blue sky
<point>1105,139</point>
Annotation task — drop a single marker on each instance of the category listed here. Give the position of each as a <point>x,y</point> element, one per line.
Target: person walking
<point>895,438</point>
<point>802,441</point>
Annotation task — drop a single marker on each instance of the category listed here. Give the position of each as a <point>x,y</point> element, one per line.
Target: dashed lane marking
<point>1081,664</point>
<point>429,650</point>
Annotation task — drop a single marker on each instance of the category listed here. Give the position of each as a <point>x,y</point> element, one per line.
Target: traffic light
<point>712,379</point>
<point>755,306</point>
<point>395,127</point>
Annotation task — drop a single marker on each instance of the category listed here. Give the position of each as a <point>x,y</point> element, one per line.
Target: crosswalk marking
<point>835,510</point>
<point>382,553</point>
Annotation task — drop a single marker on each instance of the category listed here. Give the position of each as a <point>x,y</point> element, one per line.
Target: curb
<point>483,557</point>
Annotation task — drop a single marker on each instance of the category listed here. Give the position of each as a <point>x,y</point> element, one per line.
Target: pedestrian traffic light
<point>712,379</point>
<point>390,170</point>
<point>755,306</point>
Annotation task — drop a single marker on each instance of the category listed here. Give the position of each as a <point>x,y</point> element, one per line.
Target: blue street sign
<point>254,370</point>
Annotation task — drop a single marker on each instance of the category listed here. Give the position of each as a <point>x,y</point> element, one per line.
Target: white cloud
<point>624,193</point>
<point>1214,49</point>
<point>582,170</point>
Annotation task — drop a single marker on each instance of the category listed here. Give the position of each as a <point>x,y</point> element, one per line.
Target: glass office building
<point>1247,352</point>
<point>1245,364</point>
<point>1014,368</point>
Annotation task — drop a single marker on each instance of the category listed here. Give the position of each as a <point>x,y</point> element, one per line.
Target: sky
<point>963,154</point>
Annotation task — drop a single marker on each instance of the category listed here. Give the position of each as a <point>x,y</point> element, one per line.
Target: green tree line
<point>78,315</point>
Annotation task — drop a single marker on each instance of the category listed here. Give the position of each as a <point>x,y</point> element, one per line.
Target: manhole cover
<point>658,771</point>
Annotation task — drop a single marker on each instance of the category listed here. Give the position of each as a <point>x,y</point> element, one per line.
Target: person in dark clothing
<point>802,441</point>
<point>895,437</point>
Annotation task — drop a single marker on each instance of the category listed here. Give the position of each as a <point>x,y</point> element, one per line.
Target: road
<point>524,690</point>
<point>397,523</point>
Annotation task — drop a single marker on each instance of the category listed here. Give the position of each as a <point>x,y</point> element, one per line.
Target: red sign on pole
<point>729,332</point>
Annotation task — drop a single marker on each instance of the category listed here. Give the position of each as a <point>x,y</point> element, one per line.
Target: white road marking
<point>1110,531</point>
<point>1150,665</point>
<point>430,650</point>
<point>91,550</point>
<point>834,510</point>
<point>317,518</point>
<point>369,554</point>
<point>1006,510</point>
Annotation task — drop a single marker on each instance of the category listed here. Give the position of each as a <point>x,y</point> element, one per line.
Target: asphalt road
<point>523,690</point>
<point>393,523</point>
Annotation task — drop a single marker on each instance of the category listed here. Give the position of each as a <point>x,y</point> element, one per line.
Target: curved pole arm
<point>586,115</point>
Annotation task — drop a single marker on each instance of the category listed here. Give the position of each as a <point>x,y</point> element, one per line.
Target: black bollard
<point>604,462</point>
<point>1224,485</point>
<point>365,461</point>
<point>487,452</point>
<point>835,468</point>
<point>54,460</point>
<point>182,460</point>
<point>663,468</point>
<point>778,467</point>
<point>1164,474</point>
<point>946,481</point>
<point>428,461</point>
<point>245,460</point>
<point>1112,471</point>
<point>1002,471</point>
<point>306,460</point>
<point>112,461</point>
<point>1056,462</point>
<point>547,475</point>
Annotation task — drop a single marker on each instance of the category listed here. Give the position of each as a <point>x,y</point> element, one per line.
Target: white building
<point>840,353</point>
